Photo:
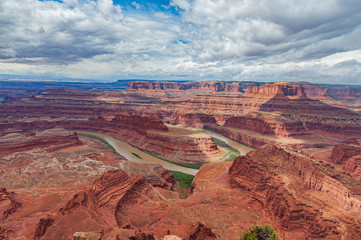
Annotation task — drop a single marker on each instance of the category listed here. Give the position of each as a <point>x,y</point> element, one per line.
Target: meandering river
<point>127,150</point>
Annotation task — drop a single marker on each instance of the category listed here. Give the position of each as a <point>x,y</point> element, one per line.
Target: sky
<point>244,40</point>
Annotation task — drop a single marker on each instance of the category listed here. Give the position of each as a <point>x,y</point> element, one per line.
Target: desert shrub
<point>266,232</point>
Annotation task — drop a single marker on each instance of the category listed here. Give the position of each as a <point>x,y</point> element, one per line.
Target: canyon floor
<point>193,160</point>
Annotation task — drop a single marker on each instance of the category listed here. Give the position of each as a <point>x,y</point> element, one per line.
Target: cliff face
<point>349,156</point>
<point>197,120</point>
<point>267,124</point>
<point>335,92</point>
<point>281,90</point>
<point>282,181</point>
<point>139,122</point>
<point>204,86</point>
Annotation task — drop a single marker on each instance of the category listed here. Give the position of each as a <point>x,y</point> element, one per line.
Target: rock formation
<point>8,203</point>
<point>281,90</point>
<point>294,191</point>
<point>203,86</point>
<point>52,140</point>
<point>349,156</point>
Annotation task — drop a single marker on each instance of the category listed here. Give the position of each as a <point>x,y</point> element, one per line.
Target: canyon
<point>84,163</point>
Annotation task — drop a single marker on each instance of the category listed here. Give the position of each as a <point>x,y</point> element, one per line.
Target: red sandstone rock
<point>8,203</point>
<point>349,156</point>
<point>201,232</point>
<point>273,175</point>
<point>5,234</point>
<point>139,122</point>
<point>99,207</point>
<point>267,124</point>
<point>42,226</point>
<point>52,140</point>
<point>341,153</point>
<point>281,90</point>
<point>204,86</point>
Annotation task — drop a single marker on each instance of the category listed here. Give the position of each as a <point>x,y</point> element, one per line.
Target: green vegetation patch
<point>137,155</point>
<point>184,179</point>
<point>101,140</point>
<point>266,232</point>
<point>232,152</point>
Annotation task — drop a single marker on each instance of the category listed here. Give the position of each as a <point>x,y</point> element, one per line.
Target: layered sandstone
<point>281,90</point>
<point>140,123</point>
<point>343,152</point>
<point>349,157</point>
<point>203,86</point>
<point>52,140</point>
<point>294,191</point>
<point>267,124</point>
<point>96,206</point>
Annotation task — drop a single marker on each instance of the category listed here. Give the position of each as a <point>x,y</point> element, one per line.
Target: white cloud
<point>136,5</point>
<point>219,39</point>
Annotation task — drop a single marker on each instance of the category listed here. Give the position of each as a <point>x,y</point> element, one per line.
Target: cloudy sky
<point>253,40</point>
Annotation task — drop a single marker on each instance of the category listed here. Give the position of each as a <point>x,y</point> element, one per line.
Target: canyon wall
<point>203,86</point>
<point>280,181</point>
<point>279,89</point>
<point>349,157</point>
<point>267,124</point>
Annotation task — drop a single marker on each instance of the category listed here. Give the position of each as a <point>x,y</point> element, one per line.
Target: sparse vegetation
<point>185,180</point>
<point>266,232</point>
<point>119,139</point>
<point>232,152</point>
<point>137,155</point>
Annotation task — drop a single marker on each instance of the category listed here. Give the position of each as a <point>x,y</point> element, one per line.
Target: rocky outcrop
<point>8,203</point>
<point>42,226</point>
<point>343,152</point>
<point>201,232</point>
<point>5,234</point>
<point>349,156</point>
<point>98,207</point>
<point>155,174</point>
<point>87,236</point>
<point>273,177</point>
<point>281,90</point>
